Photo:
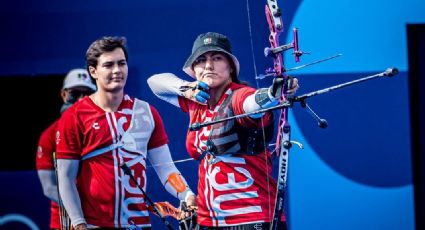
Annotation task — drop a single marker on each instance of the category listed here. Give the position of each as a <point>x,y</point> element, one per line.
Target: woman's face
<point>213,68</point>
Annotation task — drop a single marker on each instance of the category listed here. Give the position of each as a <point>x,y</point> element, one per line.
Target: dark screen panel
<point>416,48</point>
<point>29,105</point>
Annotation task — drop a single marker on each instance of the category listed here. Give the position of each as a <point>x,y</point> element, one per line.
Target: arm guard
<point>167,172</point>
<point>261,99</point>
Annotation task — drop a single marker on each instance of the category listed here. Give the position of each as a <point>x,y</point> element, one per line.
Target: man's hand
<point>196,91</point>
<point>191,202</point>
<point>188,207</point>
<point>81,227</point>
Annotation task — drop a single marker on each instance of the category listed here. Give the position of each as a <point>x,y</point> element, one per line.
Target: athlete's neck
<point>216,94</point>
<point>107,101</point>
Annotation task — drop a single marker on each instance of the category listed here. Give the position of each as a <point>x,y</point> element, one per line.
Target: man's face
<point>111,71</point>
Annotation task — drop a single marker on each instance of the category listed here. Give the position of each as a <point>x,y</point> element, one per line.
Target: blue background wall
<point>354,175</point>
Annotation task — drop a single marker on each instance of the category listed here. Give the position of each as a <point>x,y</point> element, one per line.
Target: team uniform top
<point>102,141</point>
<point>235,189</point>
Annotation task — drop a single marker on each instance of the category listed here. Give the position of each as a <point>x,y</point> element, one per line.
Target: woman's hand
<point>276,88</point>
<point>196,91</point>
<point>293,85</point>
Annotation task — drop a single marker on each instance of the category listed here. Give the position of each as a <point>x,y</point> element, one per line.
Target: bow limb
<point>274,20</point>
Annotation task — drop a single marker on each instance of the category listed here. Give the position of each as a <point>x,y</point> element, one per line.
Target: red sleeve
<point>184,104</point>
<point>238,98</point>
<point>159,136</point>
<point>68,136</point>
<point>46,147</point>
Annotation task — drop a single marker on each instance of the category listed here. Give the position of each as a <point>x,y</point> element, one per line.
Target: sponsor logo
<point>95,126</point>
<point>207,41</point>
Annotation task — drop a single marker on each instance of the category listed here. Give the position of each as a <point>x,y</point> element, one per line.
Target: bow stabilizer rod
<point>197,126</point>
<point>390,72</point>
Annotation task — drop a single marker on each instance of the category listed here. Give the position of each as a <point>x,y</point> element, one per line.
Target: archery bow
<point>283,144</point>
<point>167,209</point>
<point>164,209</point>
<point>154,208</point>
<point>283,141</point>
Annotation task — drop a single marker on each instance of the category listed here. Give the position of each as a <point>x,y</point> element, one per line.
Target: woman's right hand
<point>196,91</point>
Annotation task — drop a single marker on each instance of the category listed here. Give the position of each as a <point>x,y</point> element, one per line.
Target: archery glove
<point>276,88</point>
<point>196,91</point>
<point>292,85</point>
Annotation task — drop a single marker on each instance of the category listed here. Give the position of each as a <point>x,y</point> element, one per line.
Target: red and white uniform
<point>237,189</point>
<point>108,197</point>
<point>44,161</point>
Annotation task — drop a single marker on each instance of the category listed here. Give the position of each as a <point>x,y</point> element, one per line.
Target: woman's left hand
<point>293,85</point>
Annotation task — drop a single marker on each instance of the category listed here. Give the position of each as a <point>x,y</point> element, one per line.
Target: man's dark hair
<point>103,45</point>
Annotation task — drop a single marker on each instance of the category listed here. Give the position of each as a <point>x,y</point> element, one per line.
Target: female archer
<point>235,188</point>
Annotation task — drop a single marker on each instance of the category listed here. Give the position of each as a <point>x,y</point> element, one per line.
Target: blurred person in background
<point>76,85</point>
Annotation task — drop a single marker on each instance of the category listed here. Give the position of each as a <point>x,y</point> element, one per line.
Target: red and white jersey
<point>44,160</point>
<point>109,198</point>
<point>236,189</point>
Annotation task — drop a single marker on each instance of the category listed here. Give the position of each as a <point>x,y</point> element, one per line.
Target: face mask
<point>69,101</point>
<point>65,106</point>
<point>73,96</point>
